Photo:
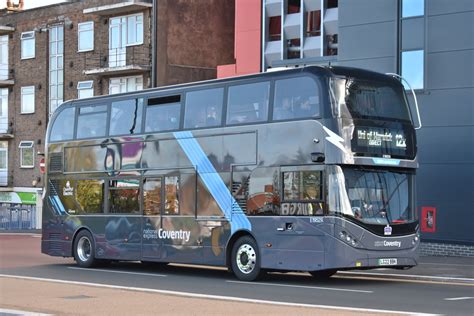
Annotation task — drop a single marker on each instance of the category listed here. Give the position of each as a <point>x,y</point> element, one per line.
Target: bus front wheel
<point>84,249</point>
<point>245,259</point>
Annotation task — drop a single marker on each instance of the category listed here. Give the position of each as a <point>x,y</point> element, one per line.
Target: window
<point>85,36</point>
<point>26,154</point>
<point>3,163</point>
<point>152,196</point>
<point>413,68</point>
<point>27,100</point>
<point>56,67</point>
<point>3,156</point>
<point>4,110</point>
<point>302,186</point>
<point>126,84</point>
<point>124,196</point>
<point>203,108</point>
<point>126,117</point>
<point>248,103</point>
<point>63,127</point>
<point>4,57</point>
<point>163,114</point>
<point>89,195</point>
<point>296,98</point>
<point>413,8</point>
<point>171,195</point>
<point>127,29</point>
<point>85,89</point>
<point>28,45</point>
<point>91,121</point>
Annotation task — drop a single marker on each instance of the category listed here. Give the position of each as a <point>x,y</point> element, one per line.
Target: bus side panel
<point>289,243</point>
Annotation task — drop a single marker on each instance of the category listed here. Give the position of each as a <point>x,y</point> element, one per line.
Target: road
<point>345,292</point>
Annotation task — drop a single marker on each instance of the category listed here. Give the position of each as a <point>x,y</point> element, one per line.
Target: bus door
<point>298,238</point>
<point>170,230</point>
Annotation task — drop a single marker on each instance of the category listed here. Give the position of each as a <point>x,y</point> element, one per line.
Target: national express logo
<point>68,190</point>
<point>386,243</point>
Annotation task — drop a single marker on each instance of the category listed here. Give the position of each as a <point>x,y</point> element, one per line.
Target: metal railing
<point>16,217</point>
<point>118,57</point>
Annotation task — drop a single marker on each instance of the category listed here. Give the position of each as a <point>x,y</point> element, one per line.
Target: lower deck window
<point>124,197</point>
<point>302,186</point>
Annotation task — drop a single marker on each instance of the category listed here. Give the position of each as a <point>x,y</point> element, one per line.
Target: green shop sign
<point>18,197</point>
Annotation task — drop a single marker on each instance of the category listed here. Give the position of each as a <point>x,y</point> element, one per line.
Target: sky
<point>29,4</point>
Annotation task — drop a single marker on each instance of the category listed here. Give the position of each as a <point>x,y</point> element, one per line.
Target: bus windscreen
<point>375,101</point>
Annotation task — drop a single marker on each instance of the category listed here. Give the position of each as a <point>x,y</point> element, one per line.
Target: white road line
<point>300,286</point>
<point>459,298</point>
<point>429,277</point>
<point>20,234</point>
<point>20,313</point>
<point>445,264</point>
<point>217,297</point>
<point>118,271</point>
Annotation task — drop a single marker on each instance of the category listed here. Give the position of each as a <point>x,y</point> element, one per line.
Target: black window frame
<point>269,109</point>
<point>319,169</point>
<point>202,89</point>
<point>170,94</point>
<point>319,85</point>
<point>107,119</point>
<point>108,188</point>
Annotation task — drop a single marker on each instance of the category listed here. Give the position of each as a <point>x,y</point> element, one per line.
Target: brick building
<point>83,48</point>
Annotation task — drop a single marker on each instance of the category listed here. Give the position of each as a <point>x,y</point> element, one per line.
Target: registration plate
<point>388,262</point>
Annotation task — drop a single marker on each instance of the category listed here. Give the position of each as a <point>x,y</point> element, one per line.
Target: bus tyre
<point>84,249</point>
<point>245,259</point>
<point>323,274</point>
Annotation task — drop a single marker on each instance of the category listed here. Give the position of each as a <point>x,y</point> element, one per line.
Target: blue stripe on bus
<point>228,205</point>
<point>57,204</point>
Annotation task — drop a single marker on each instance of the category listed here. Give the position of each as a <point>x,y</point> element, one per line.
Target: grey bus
<point>308,169</point>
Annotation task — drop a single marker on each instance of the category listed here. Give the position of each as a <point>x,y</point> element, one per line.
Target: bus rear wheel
<point>245,260</point>
<point>84,249</point>
<point>323,274</point>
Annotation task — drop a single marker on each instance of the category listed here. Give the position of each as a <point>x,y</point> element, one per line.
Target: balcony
<point>6,132</point>
<point>118,61</point>
<point>5,29</point>
<point>5,77</point>
<point>119,8</point>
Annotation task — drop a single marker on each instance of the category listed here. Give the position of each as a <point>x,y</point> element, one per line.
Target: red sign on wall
<point>428,219</point>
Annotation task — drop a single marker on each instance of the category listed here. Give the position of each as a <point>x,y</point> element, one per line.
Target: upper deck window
<point>63,126</point>
<point>248,103</point>
<point>296,98</point>
<point>126,117</point>
<point>203,108</point>
<point>91,121</point>
<point>163,114</point>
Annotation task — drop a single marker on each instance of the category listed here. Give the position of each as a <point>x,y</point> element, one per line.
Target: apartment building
<point>83,48</point>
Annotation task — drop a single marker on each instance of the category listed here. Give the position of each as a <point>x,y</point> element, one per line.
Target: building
<point>84,48</point>
<point>430,43</point>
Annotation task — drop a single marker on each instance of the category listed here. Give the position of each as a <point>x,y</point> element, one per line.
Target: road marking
<point>20,234</point>
<point>215,297</point>
<point>361,277</point>
<point>118,271</point>
<point>20,313</point>
<point>459,298</point>
<point>445,264</point>
<point>428,277</point>
<point>300,286</point>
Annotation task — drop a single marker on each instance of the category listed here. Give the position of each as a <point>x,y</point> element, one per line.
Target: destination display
<point>382,141</point>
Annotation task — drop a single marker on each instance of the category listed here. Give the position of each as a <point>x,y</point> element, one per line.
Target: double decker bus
<point>308,169</point>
